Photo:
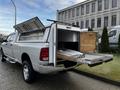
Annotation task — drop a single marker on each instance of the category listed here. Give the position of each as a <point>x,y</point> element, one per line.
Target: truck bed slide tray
<point>90,58</point>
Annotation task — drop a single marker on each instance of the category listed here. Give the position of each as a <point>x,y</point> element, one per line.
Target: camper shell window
<point>112,33</point>
<point>36,35</point>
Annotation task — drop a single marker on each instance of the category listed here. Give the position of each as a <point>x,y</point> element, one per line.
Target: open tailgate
<point>90,58</point>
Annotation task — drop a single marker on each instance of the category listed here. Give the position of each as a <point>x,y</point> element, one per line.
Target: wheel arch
<point>1,50</point>
<point>25,57</point>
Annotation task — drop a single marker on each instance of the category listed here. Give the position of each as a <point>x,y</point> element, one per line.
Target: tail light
<point>44,54</point>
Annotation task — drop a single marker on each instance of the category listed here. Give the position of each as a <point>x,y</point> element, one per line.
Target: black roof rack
<point>55,21</point>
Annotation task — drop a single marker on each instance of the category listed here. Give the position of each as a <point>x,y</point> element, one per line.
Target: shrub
<point>119,43</point>
<point>105,41</point>
<point>90,29</point>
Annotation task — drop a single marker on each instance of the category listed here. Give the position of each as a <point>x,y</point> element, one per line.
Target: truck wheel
<point>28,72</point>
<point>2,56</point>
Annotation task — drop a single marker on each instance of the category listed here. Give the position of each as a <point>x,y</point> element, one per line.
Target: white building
<point>92,13</point>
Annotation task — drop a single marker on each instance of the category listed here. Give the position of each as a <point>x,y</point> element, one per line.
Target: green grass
<point>110,70</point>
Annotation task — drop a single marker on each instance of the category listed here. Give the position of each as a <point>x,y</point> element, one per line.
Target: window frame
<point>106,4</point>
<point>82,24</point>
<point>113,23</point>
<point>73,12</point>
<point>93,7</point>
<point>92,25</point>
<point>87,8</point>
<point>77,11</point>
<point>82,9</point>
<point>106,18</point>
<point>99,25</point>
<point>114,4</point>
<point>99,5</point>
<point>77,23</point>
<point>87,23</point>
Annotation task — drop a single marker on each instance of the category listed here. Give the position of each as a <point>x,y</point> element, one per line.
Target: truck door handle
<point>10,44</point>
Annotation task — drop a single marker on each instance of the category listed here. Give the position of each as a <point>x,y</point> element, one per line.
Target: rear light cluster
<point>44,54</point>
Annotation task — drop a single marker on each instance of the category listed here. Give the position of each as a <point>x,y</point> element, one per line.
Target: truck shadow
<point>58,81</point>
<point>12,73</point>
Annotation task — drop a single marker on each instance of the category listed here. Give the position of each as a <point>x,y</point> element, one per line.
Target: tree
<point>105,41</point>
<point>119,43</point>
<point>90,29</point>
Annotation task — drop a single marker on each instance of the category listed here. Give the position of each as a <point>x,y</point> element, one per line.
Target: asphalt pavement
<point>11,79</point>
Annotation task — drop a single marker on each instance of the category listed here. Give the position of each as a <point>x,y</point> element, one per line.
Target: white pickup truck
<point>35,47</point>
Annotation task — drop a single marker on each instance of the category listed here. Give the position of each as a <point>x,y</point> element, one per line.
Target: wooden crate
<point>88,41</point>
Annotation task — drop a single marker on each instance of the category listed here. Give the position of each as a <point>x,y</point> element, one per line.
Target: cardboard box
<point>88,42</point>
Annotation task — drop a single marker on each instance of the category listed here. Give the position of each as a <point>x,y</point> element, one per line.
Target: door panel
<point>8,46</point>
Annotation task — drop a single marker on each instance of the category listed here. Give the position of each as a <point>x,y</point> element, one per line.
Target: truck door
<point>8,46</point>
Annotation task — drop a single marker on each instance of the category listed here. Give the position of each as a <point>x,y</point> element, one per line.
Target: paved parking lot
<point>11,79</point>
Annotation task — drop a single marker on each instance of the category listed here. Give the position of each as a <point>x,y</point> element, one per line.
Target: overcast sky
<point>26,9</point>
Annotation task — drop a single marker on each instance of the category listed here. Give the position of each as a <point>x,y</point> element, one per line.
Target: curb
<point>97,77</point>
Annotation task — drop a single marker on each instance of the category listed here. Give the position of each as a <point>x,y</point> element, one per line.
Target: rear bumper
<point>51,69</point>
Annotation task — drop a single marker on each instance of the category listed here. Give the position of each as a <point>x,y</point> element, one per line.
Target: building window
<point>82,10</point>
<point>69,13</point>
<point>82,24</point>
<point>92,23</point>
<point>77,24</point>
<point>65,14</point>
<point>59,16</point>
<point>87,24</point>
<point>99,5</point>
<point>93,7</point>
<point>87,8</point>
<point>106,4</point>
<point>77,11</point>
<point>98,22</point>
<point>114,3</point>
<point>113,21</point>
<point>73,12</point>
<point>106,21</point>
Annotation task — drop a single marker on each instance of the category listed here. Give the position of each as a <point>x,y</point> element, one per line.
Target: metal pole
<point>15,12</point>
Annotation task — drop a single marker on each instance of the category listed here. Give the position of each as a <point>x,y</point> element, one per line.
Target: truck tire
<point>2,56</point>
<point>28,72</point>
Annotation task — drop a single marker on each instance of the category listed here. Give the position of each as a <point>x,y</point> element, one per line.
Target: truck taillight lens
<point>44,54</point>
